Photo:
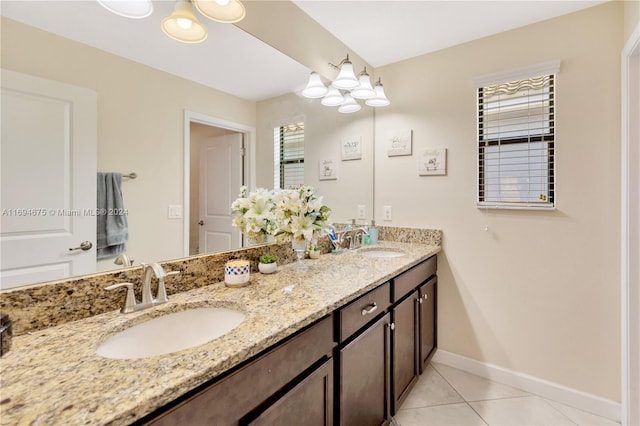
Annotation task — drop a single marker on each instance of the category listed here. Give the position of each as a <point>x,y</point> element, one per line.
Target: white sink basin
<point>381,252</point>
<point>170,333</point>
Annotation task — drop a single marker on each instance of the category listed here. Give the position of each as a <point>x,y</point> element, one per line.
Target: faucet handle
<point>129,304</point>
<point>161,295</point>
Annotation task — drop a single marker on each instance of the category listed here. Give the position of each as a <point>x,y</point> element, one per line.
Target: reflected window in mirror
<point>288,155</point>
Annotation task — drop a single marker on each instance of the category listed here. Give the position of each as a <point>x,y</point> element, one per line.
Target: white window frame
<point>277,158</point>
<point>542,69</point>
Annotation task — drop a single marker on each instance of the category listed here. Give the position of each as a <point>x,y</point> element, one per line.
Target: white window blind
<point>516,162</point>
<point>289,155</point>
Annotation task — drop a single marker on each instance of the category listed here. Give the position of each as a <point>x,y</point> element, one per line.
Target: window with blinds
<point>516,144</point>
<point>288,155</point>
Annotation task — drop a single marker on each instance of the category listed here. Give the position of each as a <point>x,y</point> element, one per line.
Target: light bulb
<point>184,23</point>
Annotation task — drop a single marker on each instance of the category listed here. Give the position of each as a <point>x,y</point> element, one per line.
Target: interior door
<point>48,180</point>
<point>220,180</point>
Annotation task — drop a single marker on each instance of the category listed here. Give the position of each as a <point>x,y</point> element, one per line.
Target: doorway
<point>218,160</point>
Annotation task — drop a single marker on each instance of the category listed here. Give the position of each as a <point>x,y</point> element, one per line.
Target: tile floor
<point>447,396</point>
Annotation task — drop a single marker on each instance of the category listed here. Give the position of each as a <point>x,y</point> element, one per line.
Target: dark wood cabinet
<point>309,403</point>
<point>363,393</point>
<point>427,321</point>
<point>404,339</point>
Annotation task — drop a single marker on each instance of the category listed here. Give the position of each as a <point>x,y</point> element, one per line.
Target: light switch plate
<point>361,211</point>
<point>174,211</point>
<point>387,213</point>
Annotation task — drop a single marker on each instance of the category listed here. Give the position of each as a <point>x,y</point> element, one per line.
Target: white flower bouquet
<point>254,214</point>
<point>301,213</point>
<point>296,213</point>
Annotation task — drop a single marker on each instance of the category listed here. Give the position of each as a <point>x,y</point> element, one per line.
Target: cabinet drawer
<point>404,283</point>
<point>227,401</point>
<point>361,311</point>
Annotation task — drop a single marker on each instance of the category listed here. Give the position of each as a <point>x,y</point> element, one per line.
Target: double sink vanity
<point>341,343</point>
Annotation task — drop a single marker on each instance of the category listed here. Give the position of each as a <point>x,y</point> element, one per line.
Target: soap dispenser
<point>373,233</point>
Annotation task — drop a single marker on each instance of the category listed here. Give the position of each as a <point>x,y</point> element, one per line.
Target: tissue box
<point>236,273</point>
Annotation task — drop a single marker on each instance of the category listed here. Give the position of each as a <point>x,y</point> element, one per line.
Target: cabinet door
<point>428,328</point>
<point>364,377</point>
<point>404,340</point>
<point>309,403</point>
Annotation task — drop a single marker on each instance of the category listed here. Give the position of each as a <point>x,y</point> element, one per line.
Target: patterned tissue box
<point>236,273</point>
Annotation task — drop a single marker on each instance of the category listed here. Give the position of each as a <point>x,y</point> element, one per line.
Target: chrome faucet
<point>350,238</point>
<point>148,271</point>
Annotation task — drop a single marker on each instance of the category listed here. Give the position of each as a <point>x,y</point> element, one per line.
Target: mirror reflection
<point>144,123</point>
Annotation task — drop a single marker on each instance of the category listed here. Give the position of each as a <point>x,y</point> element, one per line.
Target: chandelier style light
<point>346,88</point>
<point>182,25</point>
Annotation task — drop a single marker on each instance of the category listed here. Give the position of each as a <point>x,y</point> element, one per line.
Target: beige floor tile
<point>475,388</point>
<point>522,411</point>
<point>580,417</point>
<point>440,415</point>
<point>431,389</point>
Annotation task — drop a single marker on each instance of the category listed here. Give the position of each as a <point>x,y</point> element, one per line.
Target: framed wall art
<point>432,161</point>
<point>400,143</point>
<point>351,148</point>
<point>327,169</point>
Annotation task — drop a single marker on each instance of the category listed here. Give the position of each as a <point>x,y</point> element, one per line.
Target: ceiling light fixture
<point>135,9</point>
<point>183,25</point>
<point>353,87</point>
<point>225,11</point>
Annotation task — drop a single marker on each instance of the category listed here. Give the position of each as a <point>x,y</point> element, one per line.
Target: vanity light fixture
<point>183,25</point>
<point>380,99</point>
<point>315,87</point>
<point>225,11</point>
<point>349,105</point>
<point>135,9</point>
<point>346,88</point>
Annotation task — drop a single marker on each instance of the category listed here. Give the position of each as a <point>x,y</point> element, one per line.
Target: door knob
<point>201,223</point>
<point>84,246</point>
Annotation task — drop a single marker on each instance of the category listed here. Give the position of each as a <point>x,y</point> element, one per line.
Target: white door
<point>49,145</point>
<point>220,180</point>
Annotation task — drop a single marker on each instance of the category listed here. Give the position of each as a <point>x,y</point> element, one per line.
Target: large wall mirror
<point>140,118</point>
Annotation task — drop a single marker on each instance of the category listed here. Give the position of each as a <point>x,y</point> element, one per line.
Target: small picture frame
<point>400,143</point>
<point>327,169</point>
<point>432,161</point>
<point>351,148</point>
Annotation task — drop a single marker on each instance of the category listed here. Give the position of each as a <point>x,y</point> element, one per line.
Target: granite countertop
<point>53,376</point>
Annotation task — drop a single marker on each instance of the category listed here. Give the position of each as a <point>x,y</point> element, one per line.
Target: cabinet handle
<point>370,309</point>
<point>420,301</point>
<point>425,297</point>
<point>392,326</point>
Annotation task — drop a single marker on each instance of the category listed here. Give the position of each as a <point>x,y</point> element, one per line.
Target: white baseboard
<point>556,392</point>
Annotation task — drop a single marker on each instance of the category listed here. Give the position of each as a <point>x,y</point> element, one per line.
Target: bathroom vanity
<point>339,344</point>
<point>386,333</point>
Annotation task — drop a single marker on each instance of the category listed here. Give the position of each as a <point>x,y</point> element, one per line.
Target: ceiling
<point>381,32</point>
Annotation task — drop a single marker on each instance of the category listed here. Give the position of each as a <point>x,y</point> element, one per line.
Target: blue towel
<point>112,227</point>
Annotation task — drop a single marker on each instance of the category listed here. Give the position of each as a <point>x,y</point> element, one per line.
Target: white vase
<point>267,268</point>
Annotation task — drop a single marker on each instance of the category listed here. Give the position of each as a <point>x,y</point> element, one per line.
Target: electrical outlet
<point>387,213</point>
<point>361,211</point>
<point>174,212</point>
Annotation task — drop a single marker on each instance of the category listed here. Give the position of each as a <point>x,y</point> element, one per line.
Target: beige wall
<point>140,125</point>
<point>538,292</point>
